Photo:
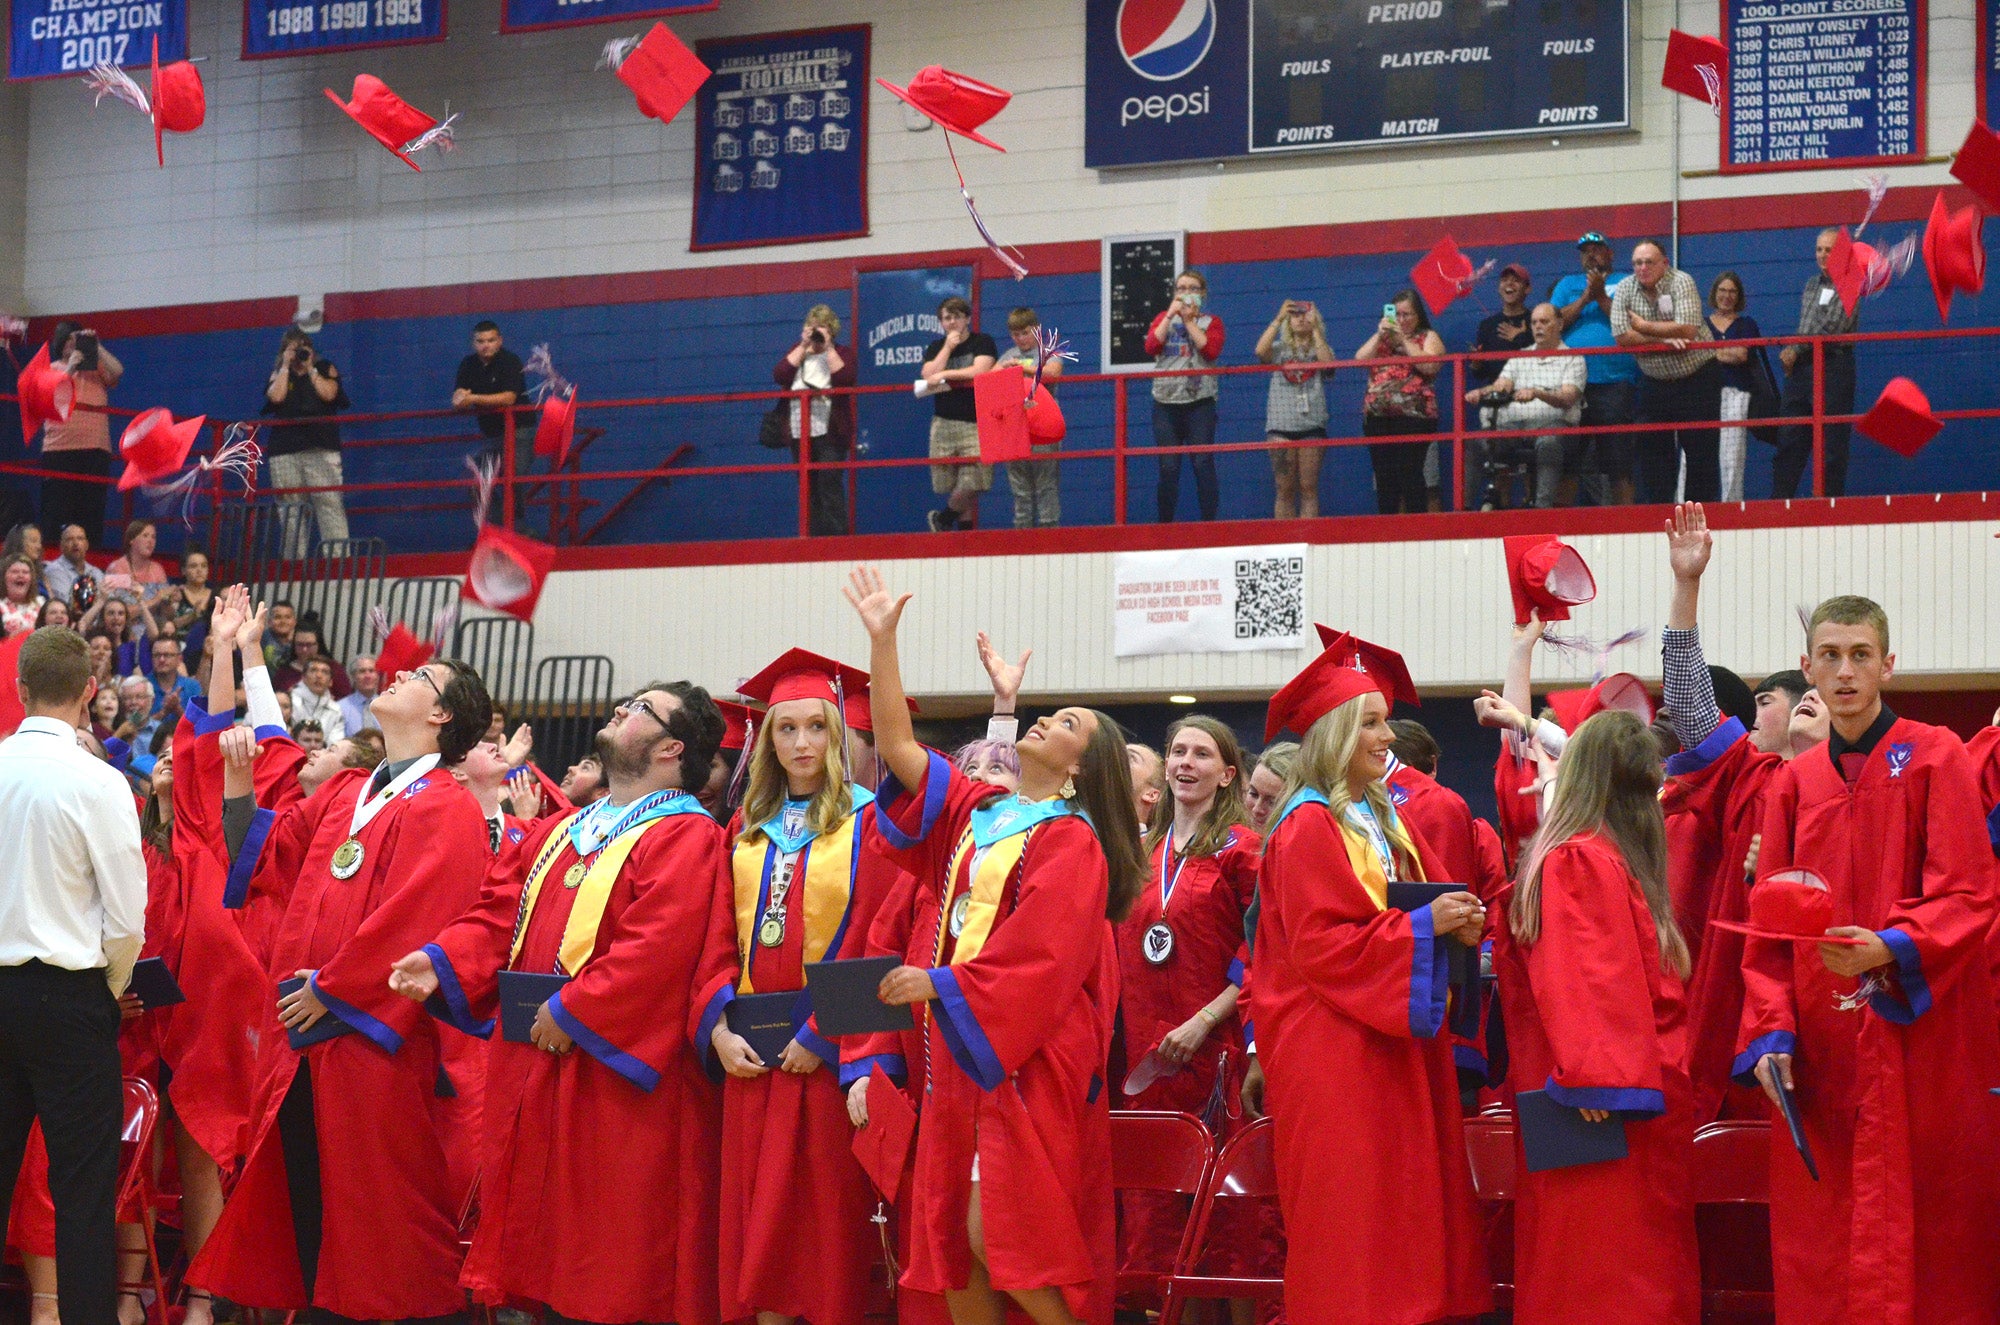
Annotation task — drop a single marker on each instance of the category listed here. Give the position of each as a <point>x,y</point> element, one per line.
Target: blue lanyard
<point>1170,873</point>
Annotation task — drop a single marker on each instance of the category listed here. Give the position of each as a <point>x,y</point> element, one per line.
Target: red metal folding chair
<point>1489,1146</point>
<point>135,1181</point>
<point>1158,1152</point>
<point>1245,1170</point>
<point>1732,1200</point>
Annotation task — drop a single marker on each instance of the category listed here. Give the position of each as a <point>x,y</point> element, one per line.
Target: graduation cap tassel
<point>1888,264</point>
<point>734,795</point>
<point>378,621</point>
<point>1484,270</point>
<point>1604,654</point>
<point>443,622</point>
<point>1007,259</point>
<point>1049,344</point>
<point>1711,81</point>
<point>238,456</point>
<point>541,364</point>
<point>1871,985</point>
<point>438,135</point>
<point>109,80</point>
<point>1878,189</point>
<point>1805,621</point>
<point>616,50</point>
<point>485,470</point>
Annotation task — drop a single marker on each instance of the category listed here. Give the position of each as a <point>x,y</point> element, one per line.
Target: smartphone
<point>1389,312</point>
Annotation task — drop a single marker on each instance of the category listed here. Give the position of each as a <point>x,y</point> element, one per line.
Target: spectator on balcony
<point>490,381</point>
<point>1401,399</point>
<point>1546,390</point>
<point>170,674</point>
<point>306,648</point>
<point>130,627</point>
<point>313,699</point>
<point>1740,369</point>
<point>188,603</point>
<point>1295,406</point>
<point>308,735</point>
<point>1820,314</point>
<point>136,573</point>
<point>1503,332</point>
<point>1659,308</point>
<point>55,612</point>
<point>80,449</point>
<point>950,363</point>
<point>304,386</point>
<point>816,362</point>
<point>20,605</point>
<point>355,715</point>
<point>1584,300</point>
<point>1037,494</point>
<point>62,576</point>
<point>1184,337</point>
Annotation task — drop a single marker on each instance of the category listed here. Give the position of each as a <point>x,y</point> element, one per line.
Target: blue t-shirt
<point>1592,328</point>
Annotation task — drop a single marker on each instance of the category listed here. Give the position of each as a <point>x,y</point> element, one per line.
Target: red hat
<point>663,74</point>
<point>1046,424</point>
<point>1392,676</point>
<point>1347,669</point>
<point>1847,267</point>
<point>154,446</point>
<point>857,710</point>
<point>1900,418</point>
<point>1977,165</point>
<point>883,1147</point>
<point>1687,54</point>
<point>802,674</point>
<point>1442,275</point>
<point>998,399</point>
<point>736,720</point>
<point>389,120</point>
<point>555,430</point>
<point>507,572</point>
<point>47,394</point>
<point>402,652</point>
<point>1791,905</point>
<point>958,104</point>
<point>1619,692</point>
<point>178,101</point>
<point>1954,253</point>
<point>1547,578</point>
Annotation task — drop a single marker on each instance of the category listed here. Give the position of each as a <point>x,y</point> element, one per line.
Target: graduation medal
<point>347,859</point>
<point>959,910</point>
<point>573,876</point>
<point>1158,945</point>
<point>346,862</point>
<point>771,930</point>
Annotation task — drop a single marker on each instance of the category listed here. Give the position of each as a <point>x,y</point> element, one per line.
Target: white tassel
<point>439,136</point>
<point>1711,82</point>
<point>108,80</point>
<point>1878,189</point>
<point>239,456</point>
<point>485,469</point>
<point>443,622</point>
<point>541,364</point>
<point>1888,264</point>
<point>616,50</point>
<point>378,621</point>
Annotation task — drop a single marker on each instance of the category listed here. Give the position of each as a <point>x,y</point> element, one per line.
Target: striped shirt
<point>1673,299</point>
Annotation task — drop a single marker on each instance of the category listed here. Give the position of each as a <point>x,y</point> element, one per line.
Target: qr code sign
<point>1270,597</point>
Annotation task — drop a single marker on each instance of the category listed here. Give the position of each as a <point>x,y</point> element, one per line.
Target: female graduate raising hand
<point>1011,957</point>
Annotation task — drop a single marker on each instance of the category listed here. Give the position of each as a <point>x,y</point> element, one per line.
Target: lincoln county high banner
<point>49,38</point>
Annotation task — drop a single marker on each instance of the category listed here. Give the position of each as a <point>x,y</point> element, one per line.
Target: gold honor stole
<point>579,938</point>
<point>829,862</point>
<point>1367,862</point>
<point>982,899</point>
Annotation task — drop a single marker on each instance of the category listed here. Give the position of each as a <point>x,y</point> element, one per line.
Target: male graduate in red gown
<point>1439,815</point>
<point>1886,1043</point>
<point>344,1203</point>
<point>599,1170</point>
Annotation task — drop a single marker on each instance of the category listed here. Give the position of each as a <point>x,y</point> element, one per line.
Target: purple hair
<point>978,752</point>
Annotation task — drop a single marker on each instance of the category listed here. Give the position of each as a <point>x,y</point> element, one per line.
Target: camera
<point>85,344</point>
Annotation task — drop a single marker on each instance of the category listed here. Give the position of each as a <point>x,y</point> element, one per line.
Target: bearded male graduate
<point>1886,1043</point>
<point>344,1204</point>
<point>600,1168</point>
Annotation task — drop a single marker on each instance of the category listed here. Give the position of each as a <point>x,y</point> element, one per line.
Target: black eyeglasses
<point>424,672</point>
<point>637,705</point>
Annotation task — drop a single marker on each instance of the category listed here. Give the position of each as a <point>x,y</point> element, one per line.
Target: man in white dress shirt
<point>72,919</point>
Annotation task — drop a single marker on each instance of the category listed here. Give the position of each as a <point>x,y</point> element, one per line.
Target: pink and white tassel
<point>1049,344</point>
<point>1878,189</point>
<point>438,135</point>
<point>238,456</point>
<point>485,469</point>
<point>541,364</point>
<point>1009,257</point>
<point>108,80</point>
<point>616,51</point>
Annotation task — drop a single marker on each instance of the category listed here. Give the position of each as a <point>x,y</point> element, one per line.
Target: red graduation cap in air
<point>1346,669</point>
<point>1620,692</point>
<point>46,393</point>
<point>736,720</point>
<point>956,103</point>
<point>1901,418</point>
<point>389,120</point>
<point>1847,267</point>
<point>401,652</point>
<point>663,74</point>
<point>999,405</point>
<point>1792,906</point>
<point>555,429</point>
<point>803,674</point>
<point>179,104</point>
<point>1547,577</point>
<point>507,572</point>
<point>1442,275</point>
<point>1977,165</point>
<point>155,446</point>
<point>1687,56</point>
<point>1954,252</point>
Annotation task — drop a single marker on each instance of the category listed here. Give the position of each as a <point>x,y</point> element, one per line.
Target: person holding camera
<point>80,449</point>
<point>1401,399</point>
<point>815,363</point>
<point>1183,337</point>
<point>1296,407</point>
<point>1543,389</point>
<point>305,455</point>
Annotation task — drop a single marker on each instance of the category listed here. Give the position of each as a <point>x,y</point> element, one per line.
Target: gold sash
<point>829,882</point>
<point>989,884</point>
<point>1361,854</point>
<point>579,938</point>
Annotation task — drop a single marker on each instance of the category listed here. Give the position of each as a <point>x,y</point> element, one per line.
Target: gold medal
<point>771,933</point>
<point>574,875</point>
<point>959,910</point>
<point>347,859</point>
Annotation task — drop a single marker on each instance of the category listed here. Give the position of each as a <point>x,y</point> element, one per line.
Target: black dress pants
<point>68,501</point>
<point>1794,459</point>
<point>1696,398</point>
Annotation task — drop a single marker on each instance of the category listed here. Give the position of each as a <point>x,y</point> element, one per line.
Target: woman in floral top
<point>1400,400</point>
<point>20,604</point>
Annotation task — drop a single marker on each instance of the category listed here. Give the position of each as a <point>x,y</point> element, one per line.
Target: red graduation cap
<point>736,720</point>
<point>1345,670</point>
<point>555,429</point>
<point>507,572</point>
<point>1901,418</point>
<point>998,401</point>
<point>1620,692</point>
<point>1954,252</point>
<point>1847,267</point>
<point>1687,55</point>
<point>154,446</point>
<point>883,1146</point>
<point>179,104</point>
<point>663,74</point>
<point>857,710</point>
<point>401,652</point>
<point>1977,165</point>
<point>389,120</point>
<point>1046,424</point>
<point>958,104</point>
<point>1442,275</point>
<point>803,674</point>
<point>1547,578</point>
<point>46,392</point>
<point>1791,905</point>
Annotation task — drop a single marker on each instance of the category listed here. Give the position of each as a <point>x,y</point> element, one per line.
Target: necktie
<point>493,835</point>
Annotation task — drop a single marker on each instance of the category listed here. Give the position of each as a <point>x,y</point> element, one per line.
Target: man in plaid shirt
<point>1659,310</point>
<point>1820,314</point>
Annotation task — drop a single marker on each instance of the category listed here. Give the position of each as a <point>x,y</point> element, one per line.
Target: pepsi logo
<point>1165,39</point>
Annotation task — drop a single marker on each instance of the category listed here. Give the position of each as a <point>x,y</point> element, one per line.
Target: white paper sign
<point>1210,600</point>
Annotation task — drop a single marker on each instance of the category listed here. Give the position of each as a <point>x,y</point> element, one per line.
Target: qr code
<point>1270,597</point>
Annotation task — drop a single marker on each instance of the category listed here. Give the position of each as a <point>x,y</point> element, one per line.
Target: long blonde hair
<point>1607,783</point>
<point>1317,334</point>
<point>1225,812</point>
<point>765,795</point>
<point>1323,760</point>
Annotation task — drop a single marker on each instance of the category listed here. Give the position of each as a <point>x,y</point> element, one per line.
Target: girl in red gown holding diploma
<point>1589,964</point>
<point>1349,995</point>
<point>1011,958</point>
<point>796,1237</point>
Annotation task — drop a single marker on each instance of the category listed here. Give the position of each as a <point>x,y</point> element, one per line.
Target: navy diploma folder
<point>844,1001</point>
<point>522,993</point>
<point>326,1028</point>
<point>1555,1136</point>
<point>765,1020</point>
<point>154,984</point>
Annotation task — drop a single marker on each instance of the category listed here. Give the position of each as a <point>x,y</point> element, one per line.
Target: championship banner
<point>535,15</point>
<point>1209,600</point>
<point>1987,17</point>
<point>781,139</point>
<point>50,38</point>
<point>282,27</point>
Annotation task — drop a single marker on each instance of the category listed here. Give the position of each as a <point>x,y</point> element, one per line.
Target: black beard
<point>615,762</point>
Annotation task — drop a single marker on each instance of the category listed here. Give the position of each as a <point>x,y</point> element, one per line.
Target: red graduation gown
<point>1014,1054</point>
<point>1373,1179</point>
<point>1518,812</point>
<point>1439,816</point>
<point>796,1205</point>
<point>390,1241</point>
<point>1593,1018</point>
<point>597,1194</point>
<point>1900,1228</point>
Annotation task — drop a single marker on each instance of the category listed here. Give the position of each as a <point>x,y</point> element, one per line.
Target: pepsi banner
<point>1817,83</point>
<point>50,38</point>
<point>781,139</point>
<point>282,27</point>
<point>535,15</point>
<point>1178,80</point>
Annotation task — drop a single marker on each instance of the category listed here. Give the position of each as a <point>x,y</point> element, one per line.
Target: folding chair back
<point>1489,1146</point>
<point>1159,1152</point>
<point>1245,1170</point>
<point>135,1180</point>
<point>1732,1198</point>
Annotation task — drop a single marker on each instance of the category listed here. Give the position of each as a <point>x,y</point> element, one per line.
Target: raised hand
<point>1006,676</point>
<point>519,746</point>
<point>231,605</point>
<point>525,793</point>
<point>878,609</point>
<point>1689,544</point>
<point>251,634</point>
